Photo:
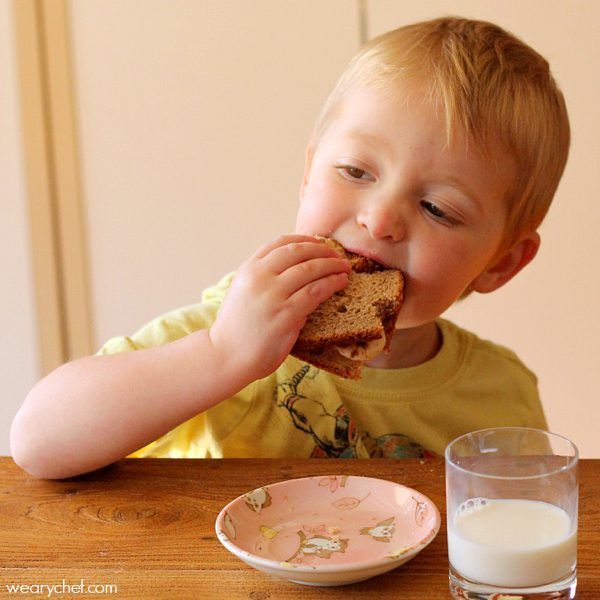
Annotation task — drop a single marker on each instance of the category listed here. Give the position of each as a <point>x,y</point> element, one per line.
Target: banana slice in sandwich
<point>363,351</point>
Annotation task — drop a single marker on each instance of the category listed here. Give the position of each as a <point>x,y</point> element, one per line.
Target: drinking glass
<point>512,498</point>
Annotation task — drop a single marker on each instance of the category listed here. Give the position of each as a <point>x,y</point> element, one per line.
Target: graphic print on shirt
<point>334,433</point>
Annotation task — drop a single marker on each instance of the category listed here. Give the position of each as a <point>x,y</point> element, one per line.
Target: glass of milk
<point>512,497</point>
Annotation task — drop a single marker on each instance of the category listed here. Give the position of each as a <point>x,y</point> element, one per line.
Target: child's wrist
<point>235,368</point>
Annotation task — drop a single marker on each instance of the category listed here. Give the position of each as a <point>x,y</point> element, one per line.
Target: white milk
<point>512,543</point>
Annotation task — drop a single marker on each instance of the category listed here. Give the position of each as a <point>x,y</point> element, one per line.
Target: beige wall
<point>192,121</point>
<point>19,365</point>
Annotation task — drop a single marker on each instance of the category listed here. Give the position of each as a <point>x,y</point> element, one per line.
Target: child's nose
<point>383,220</point>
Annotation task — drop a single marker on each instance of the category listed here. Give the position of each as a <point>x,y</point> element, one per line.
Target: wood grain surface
<point>146,526</point>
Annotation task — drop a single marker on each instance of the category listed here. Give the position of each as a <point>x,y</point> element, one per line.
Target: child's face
<point>381,183</point>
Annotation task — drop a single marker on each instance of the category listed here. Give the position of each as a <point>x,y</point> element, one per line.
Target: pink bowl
<point>329,530</point>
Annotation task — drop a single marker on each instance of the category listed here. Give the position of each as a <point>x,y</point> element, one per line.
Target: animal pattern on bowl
<point>330,520</point>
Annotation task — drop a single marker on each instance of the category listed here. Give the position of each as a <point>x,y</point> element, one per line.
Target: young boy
<point>437,153</point>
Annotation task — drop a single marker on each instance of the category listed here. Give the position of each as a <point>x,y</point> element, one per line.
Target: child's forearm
<point>95,410</point>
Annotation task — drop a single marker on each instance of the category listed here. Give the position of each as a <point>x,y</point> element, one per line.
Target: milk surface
<point>512,543</point>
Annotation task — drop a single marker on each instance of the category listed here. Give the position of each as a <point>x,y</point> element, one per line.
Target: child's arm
<point>95,410</point>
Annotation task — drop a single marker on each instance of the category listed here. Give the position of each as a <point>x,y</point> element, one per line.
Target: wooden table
<point>146,526</point>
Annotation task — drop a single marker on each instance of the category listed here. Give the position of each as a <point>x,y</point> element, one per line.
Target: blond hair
<point>490,84</point>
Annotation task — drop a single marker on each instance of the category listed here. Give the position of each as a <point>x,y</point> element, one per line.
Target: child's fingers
<point>283,240</point>
<point>305,273</point>
<point>280,259</point>
<point>310,296</point>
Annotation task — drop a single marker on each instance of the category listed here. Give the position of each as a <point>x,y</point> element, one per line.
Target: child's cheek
<point>315,216</point>
<point>313,223</point>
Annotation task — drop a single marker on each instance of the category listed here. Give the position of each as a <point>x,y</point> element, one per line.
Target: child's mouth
<point>373,255</point>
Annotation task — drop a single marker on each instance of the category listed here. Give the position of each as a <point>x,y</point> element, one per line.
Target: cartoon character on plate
<point>382,532</point>
<point>258,499</point>
<point>318,545</point>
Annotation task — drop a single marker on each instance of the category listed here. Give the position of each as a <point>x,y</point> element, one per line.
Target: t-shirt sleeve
<point>523,384</point>
<point>514,395</point>
<point>173,325</point>
<point>163,330</point>
<point>537,418</point>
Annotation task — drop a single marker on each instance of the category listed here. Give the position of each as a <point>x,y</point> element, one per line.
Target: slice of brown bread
<point>365,310</point>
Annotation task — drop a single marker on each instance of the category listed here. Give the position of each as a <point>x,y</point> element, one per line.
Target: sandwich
<point>357,323</point>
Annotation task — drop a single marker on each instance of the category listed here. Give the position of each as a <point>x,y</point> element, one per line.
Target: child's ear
<point>508,265</point>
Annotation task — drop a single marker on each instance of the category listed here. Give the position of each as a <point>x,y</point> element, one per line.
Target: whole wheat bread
<point>364,311</point>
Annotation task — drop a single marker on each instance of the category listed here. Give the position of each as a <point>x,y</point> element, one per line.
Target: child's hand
<point>269,300</point>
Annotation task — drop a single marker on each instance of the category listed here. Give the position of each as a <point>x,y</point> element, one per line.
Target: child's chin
<point>407,321</point>
<point>400,324</point>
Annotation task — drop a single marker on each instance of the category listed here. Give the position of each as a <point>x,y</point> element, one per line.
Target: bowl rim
<point>281,566</point>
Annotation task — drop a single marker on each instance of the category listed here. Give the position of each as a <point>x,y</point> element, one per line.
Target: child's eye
<point>437,212</point>
<point>354,173</point>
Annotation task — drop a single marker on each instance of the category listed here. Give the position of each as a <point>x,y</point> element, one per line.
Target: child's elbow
<point>27,453</point>
<point>37,466</point>
<point>21,449</point>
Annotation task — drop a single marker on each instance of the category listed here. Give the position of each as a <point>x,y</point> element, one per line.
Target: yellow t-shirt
<point>300,411</point>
